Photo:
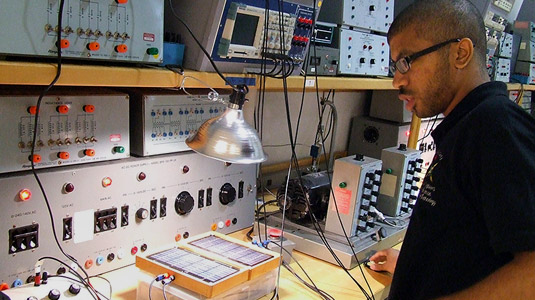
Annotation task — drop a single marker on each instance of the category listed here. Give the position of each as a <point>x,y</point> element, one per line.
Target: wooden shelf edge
<point>25,73</point>
<point>31,73</point>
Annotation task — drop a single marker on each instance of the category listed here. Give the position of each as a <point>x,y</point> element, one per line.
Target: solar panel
<point>233,251</point>
<point>193,264</point>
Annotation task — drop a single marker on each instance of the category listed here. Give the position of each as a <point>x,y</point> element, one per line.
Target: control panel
<point>240,34</point>
<point>374,15</point>
<point>526,70</point>
<point>527,51</point>
<point>506,5</point>
<point>505,48</point>
<point>363,53</point>
<point>399,186</point>
<point>106,213</point>
<point>502,69</point>
<point>126,31</point>
<point>356,181</point>
<point>165,118</point>
<point>526,29</point>
<point>54,288</point>
<point>74,126</point>
<point>323,61</point>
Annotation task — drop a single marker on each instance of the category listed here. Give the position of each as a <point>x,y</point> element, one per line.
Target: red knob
<point>36,158</point>
<point>93,46</point>
<point>62,109</point>
<point>89,108</point>
<point>89,152</point>
<point>63,155</point>
<point>122,48</point>
<point>64,43</point>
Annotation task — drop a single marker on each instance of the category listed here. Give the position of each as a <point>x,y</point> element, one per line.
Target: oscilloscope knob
<point>183,203</point>
<point>227,194</point>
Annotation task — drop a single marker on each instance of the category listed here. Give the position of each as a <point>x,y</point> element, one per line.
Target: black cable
<point>427,133</point>
<point>87,284</point>
<point>80,282</point>
<point>34,137</point>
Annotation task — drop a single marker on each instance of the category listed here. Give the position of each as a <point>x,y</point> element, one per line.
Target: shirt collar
<point>470,101</point>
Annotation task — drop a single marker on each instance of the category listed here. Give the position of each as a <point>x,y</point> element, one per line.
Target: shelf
<point>23,73</point>
<point>29,73</point>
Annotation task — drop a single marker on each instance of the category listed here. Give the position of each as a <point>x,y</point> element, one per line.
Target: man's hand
<point>384,260</point>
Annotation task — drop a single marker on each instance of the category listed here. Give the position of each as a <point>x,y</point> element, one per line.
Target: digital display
<point>244,30</point>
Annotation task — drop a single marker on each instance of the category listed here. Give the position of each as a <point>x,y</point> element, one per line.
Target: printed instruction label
<point>343,200</point>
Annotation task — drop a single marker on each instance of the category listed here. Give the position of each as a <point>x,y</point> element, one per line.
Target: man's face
<point>426,87</point>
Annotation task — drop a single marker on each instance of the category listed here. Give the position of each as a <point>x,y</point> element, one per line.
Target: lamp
<point>228,137</point>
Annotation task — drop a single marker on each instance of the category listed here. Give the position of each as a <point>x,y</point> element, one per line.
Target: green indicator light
<point>153,51</point>
<point>388,171</point>
<point>119,149</point>
<point>342,185</point>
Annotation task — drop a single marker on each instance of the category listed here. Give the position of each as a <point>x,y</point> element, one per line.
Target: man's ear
<point>464,53</point>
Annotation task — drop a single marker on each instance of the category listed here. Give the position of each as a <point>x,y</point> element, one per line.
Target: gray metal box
<point>355,183</point>
<point>105,213</point>
<point>95,30</point>
<point>164,118</point>
<point>76,125</point>
<point>386,105</point>
<point>399,186</point>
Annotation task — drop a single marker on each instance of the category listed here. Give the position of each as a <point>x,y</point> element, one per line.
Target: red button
<point>227,223</point>
<point>62,109</point>
<point>89,152</point>
<point>121,48</point>
<point>64,43</point>
<point>93,46</point>
<point>36,158</point>
<point>133,251</point>
<point>63,155</point>
<point>89,108</point>
<point>32,110</point>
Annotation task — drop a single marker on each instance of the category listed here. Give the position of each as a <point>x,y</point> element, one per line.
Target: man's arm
<point>515,280</point>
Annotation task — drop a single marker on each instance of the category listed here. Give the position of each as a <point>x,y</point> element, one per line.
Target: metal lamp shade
<point>228,138</point>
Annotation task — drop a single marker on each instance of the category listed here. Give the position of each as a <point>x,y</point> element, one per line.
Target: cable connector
<point>161,276</point>
<point>168,280</point>
<point>379,214</point>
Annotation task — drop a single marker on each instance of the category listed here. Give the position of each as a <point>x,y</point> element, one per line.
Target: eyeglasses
<point>403,65</point>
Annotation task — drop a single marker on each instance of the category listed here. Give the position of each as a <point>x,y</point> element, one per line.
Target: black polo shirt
<point>476,206</point>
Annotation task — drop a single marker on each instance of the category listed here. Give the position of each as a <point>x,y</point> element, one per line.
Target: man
<point>472,230</point>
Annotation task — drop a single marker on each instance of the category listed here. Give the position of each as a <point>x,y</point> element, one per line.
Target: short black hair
<point>441,20</point>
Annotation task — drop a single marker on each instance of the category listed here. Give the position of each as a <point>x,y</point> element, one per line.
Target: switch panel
<point>95,222</point>
<point>165,119</point>
<point>75,126</point>
<point>356,182</point>
<point>363,53</point>
<point>98,30</point>
<point>506,45</point>
<point>374,15</point>
<point>502,69</point>
<point>399,188</point>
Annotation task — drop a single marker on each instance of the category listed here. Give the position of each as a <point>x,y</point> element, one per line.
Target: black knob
<point>142,213</point>
<point>372,61</point>
<point>227,194</point>
<point>405,209</point>
<point>372,7</point>
<point>32,298</point>
<point>359,157</point>
<point>183,203</point>
<point>111,257</point>
<point>54,294</point>
<point>362,60</point>
<point>402,147</point>
<point>74,289</point>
